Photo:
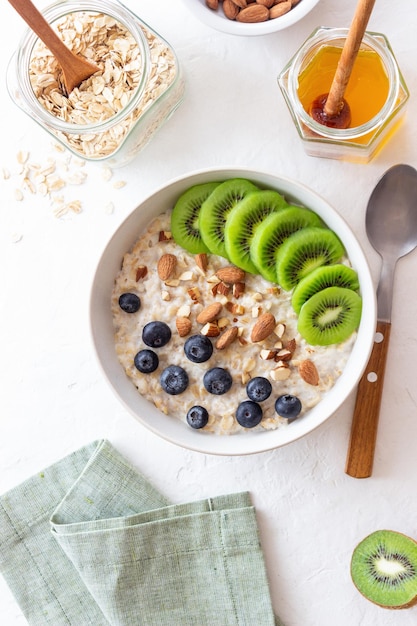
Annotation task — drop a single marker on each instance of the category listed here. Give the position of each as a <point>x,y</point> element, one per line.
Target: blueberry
<point>146,361</point>
<point>197,417</point>
<point>129,302</point>
<point>156,334</point>
<point>217,381</point>
<point>174,380</point>
<point>198,348</point>
<point>258,389</point>
<point>249,414</point>
<point>288,406</point>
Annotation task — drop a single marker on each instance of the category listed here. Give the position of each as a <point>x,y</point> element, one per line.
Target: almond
<point>227,338</point>
<point>308,372</point>
<point>164,235</point>
<point>230,274</point>
<point>211,329</point>
<point>230,9</point>
<point>267,3</point>
<point>194,293</point>
<point>183,325</point>
<point>222,288</point>
<point>282,372</point>
<point>212,4</point>
<point>141,272</point>
<point>209,313</point>
<point>252,14</point>
<point>241,3</point>
<point>235,309</point>
<point>201,260</point>
<point>166,266</point>
<point>263,327</point>
<point>280,9</point>
<point>238,289</point>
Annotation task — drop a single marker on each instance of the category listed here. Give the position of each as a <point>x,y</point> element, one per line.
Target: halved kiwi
<point>384,569</point>
<point>242,222</point>
<point>273,231</point>
<point>330,316</point>
<point>216,208</point>
<point>305,250</point>
<point>185,217</point>
<point>336,275</point>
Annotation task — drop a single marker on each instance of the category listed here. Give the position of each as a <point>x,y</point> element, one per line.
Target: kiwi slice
<point>242,222</point>
<point>305,250</point>
<point>330,316</point>
<point>337,275</point>
<point>273,231</point>
<point>185,217</point>
<point>384,569</point>
<point>216,208</point>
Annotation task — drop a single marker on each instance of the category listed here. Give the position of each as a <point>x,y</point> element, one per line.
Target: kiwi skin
<point>336,275</point>
<point>185,217</point>
<point>322,322</point>
<point>394,547</point>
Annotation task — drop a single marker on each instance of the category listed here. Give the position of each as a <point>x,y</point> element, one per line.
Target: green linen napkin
<point>88,541</point>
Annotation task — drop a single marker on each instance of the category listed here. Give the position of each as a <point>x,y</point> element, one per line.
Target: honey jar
<point>376,94</point>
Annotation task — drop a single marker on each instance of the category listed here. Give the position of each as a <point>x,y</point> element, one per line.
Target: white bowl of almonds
<point>250,17</point>
<point>233,311</point>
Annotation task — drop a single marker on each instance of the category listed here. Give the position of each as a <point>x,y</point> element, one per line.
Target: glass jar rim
<point>52,13</point>
<point>326,35</point>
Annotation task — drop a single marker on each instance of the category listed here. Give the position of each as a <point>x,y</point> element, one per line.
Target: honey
<point>376,94</point>
<point>366,92</point>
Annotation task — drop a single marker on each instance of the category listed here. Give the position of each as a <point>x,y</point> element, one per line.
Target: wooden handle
<point>40,26</point>
<point>347,59</point>
<point>360,456</point>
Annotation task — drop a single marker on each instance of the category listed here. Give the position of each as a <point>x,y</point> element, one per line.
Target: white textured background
<point>53,399</point>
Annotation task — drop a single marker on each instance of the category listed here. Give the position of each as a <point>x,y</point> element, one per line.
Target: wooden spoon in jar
<point>75,69</point>
<point>331,109</point>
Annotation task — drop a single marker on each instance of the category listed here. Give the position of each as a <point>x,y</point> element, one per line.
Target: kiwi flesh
<point>273,231</point>
<point>336,275</point>
<point>330,316</point>
<point>185,227</point>
<point>216,208</point>
<point>384,569</point>
<point>305,250</point>
<point>242,222</point>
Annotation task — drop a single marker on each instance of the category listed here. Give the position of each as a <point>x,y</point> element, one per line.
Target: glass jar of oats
<point>113,114</point>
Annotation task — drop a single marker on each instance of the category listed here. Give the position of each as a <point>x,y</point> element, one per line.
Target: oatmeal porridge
<point>203,295</point>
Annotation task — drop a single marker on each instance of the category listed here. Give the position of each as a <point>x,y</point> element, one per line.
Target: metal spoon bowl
<point>391,226</point>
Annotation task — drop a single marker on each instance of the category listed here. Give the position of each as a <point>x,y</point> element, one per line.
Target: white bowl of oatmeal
<point>129,264</point>
<point>260,18</point>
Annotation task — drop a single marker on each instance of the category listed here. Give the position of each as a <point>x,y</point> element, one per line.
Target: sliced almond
<point>235,309</point>
<point>194,294</point>
<point>283,355</point>
<point>141,272</point>
<point>268,355</point>
<point>166,266</point>
<point>201,260</point>
<point>227,338</point>
<point>183,325</point>
<point>279,330</point>
<point>263,327</point>
<point>209,313</point>
<point>222,288</point>
<point>308,372</point>
<point>230,274</point>
<point>238,289</point>
<point>281,372</point>
<point>211,329</point>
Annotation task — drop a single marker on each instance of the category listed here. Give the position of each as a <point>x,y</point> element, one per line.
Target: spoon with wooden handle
<point>332,109</point>
<point>75,69</point>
